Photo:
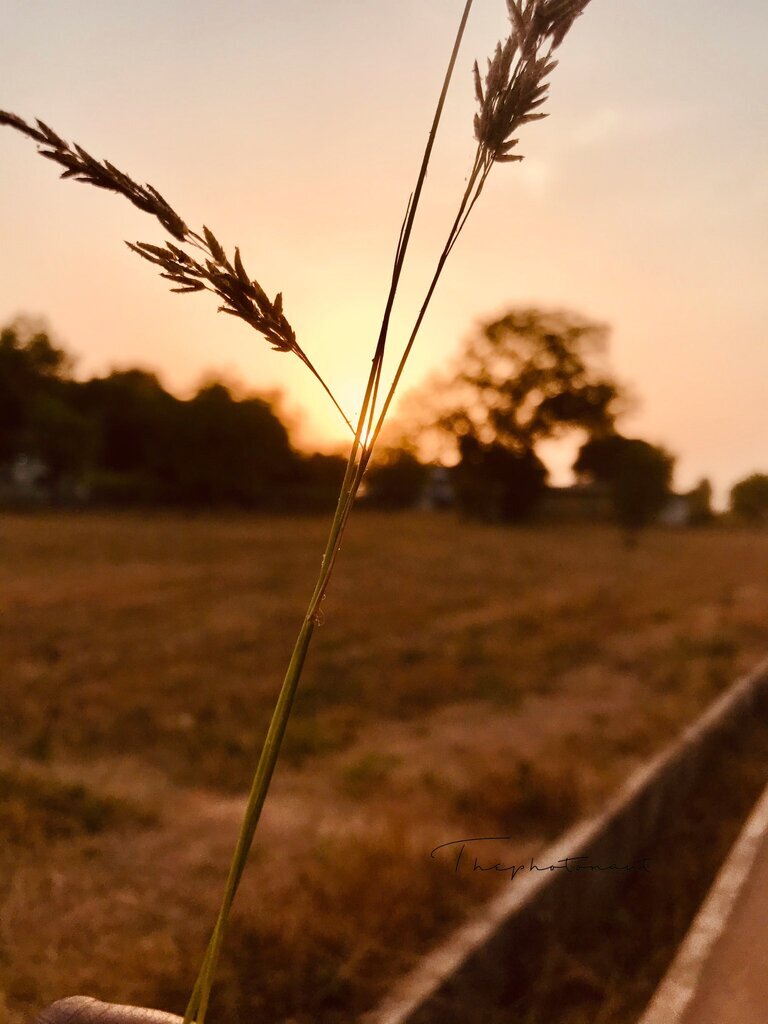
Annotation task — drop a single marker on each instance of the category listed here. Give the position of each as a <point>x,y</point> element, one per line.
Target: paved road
<point>733,987</point>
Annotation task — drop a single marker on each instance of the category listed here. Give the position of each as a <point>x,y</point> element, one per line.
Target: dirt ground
<point>467,679</point>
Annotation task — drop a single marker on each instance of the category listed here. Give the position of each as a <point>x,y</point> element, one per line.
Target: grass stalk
<point>198,1004</point>
<point>514,89</point>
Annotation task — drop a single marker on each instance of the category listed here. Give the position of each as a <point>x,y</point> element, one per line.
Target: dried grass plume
<point>211,270</point>
<point>515,83</point>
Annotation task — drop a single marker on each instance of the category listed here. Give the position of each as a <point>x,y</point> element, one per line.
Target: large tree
<point>530,375</point>
<point>534,374</point>
<point>749,498</point>
<point>31,367</point>
<point>128,439</point>
<point>236,452</point>
<point>37,418</point>
<point>396,479</point>
<point>639,475</point>
<point>211,449</point>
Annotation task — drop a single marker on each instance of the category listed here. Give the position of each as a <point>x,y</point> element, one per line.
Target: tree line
<point>124,439</point>
<point>528,377</point>
<point>535,375</point>
<point>522,379</point>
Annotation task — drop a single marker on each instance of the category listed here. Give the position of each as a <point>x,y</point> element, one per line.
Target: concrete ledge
<point>470,971</point>
<point>681,987</point>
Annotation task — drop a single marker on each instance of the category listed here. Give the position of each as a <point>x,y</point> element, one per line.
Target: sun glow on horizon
<point>310,163</point>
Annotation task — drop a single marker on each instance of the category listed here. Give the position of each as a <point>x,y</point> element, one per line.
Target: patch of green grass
<point>472,648</point>
<point>314,737</point>
<point>413,655</point>
<point>367,774</point>
<point>719,645</point>
<point>334,682</point>
<point>497,688</point>
<point>525,798</point>
<point>31,808</point>
<point>662,615</point>
<point>571,651</point>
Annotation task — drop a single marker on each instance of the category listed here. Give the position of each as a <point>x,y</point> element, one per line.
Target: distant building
<point>579,502</point>
<point>438,491</point>
<point>693,508</point>
<point>592,502</point>
<point>23,480</point>
<point>26,480</point>
<point>676,512</point>
<point>584,501</point>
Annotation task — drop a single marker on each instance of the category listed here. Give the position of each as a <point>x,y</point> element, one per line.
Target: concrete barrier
<point>682,997</point>
<point>468,977</point>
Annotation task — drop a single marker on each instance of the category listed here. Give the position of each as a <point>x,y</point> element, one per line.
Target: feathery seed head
<point>515,83</point>
<point>242,297</point>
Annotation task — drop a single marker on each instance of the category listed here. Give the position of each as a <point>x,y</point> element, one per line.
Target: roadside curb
<point>681,982</point>
<point>471,967</point>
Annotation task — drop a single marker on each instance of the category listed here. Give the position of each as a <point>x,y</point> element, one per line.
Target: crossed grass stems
<point>509,95</point>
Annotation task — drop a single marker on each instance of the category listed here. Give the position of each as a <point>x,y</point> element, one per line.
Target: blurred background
<point>295,132</point>
<point>560,552</point>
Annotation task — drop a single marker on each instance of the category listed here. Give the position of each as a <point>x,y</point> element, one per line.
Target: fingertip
<point>86,1010</point>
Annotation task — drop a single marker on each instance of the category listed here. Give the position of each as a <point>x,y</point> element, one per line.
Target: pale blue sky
<point>294,129</point>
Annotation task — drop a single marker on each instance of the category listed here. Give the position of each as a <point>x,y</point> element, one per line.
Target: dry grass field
<point>467,679</point>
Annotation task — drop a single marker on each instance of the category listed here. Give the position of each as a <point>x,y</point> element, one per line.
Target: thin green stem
<point>472,192</point>
<point>198,1003</point>
<point>256,798</point>
<point>310,366</point>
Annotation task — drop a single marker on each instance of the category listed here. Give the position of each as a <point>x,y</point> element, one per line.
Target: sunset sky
<point>294,129</point>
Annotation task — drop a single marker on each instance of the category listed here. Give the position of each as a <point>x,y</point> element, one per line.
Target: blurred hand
<point>84,1010</point>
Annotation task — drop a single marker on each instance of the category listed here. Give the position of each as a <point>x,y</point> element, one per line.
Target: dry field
<point>467,679</point>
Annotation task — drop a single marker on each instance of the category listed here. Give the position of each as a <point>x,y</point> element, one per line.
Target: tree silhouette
<point>37,418</point>
<point>638,473</point>
<point>396,479</point>
<point>528,376</point>
<point>749,498</point>
<point>126,439</point>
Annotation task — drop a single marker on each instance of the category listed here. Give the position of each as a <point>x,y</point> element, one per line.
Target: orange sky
<point>294,130</point>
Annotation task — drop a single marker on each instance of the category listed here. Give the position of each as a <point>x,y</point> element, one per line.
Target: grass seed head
<point>515,85</point>
<point>241,296</point>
